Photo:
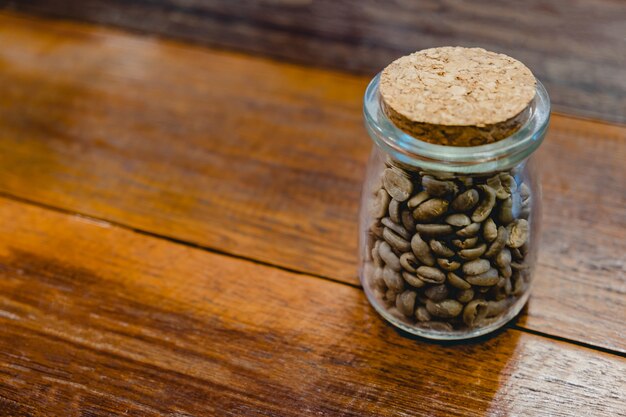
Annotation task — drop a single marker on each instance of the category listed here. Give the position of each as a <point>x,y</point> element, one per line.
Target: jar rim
<point>502,154</point>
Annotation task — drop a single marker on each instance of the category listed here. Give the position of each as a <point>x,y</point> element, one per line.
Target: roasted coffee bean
<point>430,275</point>
<point>458,282</point>
<point>439,188</point>
<point>375,256</point>
<point>436,292</point>
<point>396,242</point>
<point>397,184</point>
<point>405,302</point>
<point>490,230</point>
<point>469,231</point>
<point>399,230</point>
<point>394,210</point>
<point>409,262</point>
<point>467,243</point>
<point>407,220</point>
<point>417,199</point>
<point>485,279</point>
<point>458,220</point>
<point>440,249</point>
<point>379,205</point>
<point>448,265</point>
<point>430,210</point>
<point>413,280</point>
<point>446,309</point>
<point>518,233</point>
<point>421,250</point>
<point>435,325</point>
<point>393,279</point>
<point>434,229</point>
<point>475,312</point>
<point>486,205</point>
<point>473,253</point>
<point>390,258</point>
<point>421,314</point>
<point>499,243</point>
<point>465,296</point>
<point>465,201</point>
<point>476,267</point>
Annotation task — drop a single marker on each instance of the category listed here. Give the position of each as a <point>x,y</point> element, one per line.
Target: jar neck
<point>501,155</point>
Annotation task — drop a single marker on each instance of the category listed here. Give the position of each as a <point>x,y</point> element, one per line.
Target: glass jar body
<point>448,255</point>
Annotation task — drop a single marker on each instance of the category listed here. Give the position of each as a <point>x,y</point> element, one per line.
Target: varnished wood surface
<point>96,320</point>
<point>576,48</point>
<point>265,161</point>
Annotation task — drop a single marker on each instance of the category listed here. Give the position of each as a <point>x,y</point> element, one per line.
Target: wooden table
<point>178,238</point>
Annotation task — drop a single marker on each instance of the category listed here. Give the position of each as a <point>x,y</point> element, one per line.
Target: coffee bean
<point>506,211</point>
<point>508,183</point>
<point>440,249</point>
<point>375,256</point>
<point>475,312</point>
<point>448,265</point>
<point>465,244</point>
<point>436,292</point>
<point>473,253</point>
<point>499,243</point>
<point>392,279</point>
<point>417,199</point>
<point>495,183</point>
<point>486,279</point>
<point>469,231</point>
<point>421,314</point>
<point>495,308</point>
<point>486,205</point>
<point>398,229</point>
<point>430,274</point>
<point>476,267</point>
<point>379,204</point>
<point>524,192</point>
<point>396,242</point>
<point>407,220</point>
<point>518,233</point>
<point>503,258</point>
<point>413,280</point>
<point>434,229</point>
<point>377,277</point>
<point>465,296</point>
<point>409,262</point>
<point>394,210</point>
<point>458,220</point>
<point>444,309</point>
<point>465,201</point>
<point>437,187</point>
<point>458,282</point>
<point>422,250</point>
<point>405,302</point>
<point>430,210</point>
<point>490,230</point>
<point>390,258</point>
<point>397,184</point>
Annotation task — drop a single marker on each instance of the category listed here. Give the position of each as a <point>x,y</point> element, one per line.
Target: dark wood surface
<point>127,162</point>
<point>265,161</point>
<point>96,320</point>
<point>576,48</point>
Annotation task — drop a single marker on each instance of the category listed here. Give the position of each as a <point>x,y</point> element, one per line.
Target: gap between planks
<point>106,223</point>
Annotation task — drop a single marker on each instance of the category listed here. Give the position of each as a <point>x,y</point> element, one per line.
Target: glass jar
<point>448,236</point>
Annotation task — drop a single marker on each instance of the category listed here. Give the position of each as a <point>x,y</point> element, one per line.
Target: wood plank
<point>97,320</point>
<point>265,160</point>
<point>576,48</point>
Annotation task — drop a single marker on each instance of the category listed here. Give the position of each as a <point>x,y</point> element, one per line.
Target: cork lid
<point>457,96</point>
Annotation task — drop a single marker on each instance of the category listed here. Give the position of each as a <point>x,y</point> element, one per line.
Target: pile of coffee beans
<point>445,251</point>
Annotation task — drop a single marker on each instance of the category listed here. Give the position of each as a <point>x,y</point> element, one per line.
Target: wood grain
<point>576,48</point>
<point>265,161</point>
<point>97,320</point>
